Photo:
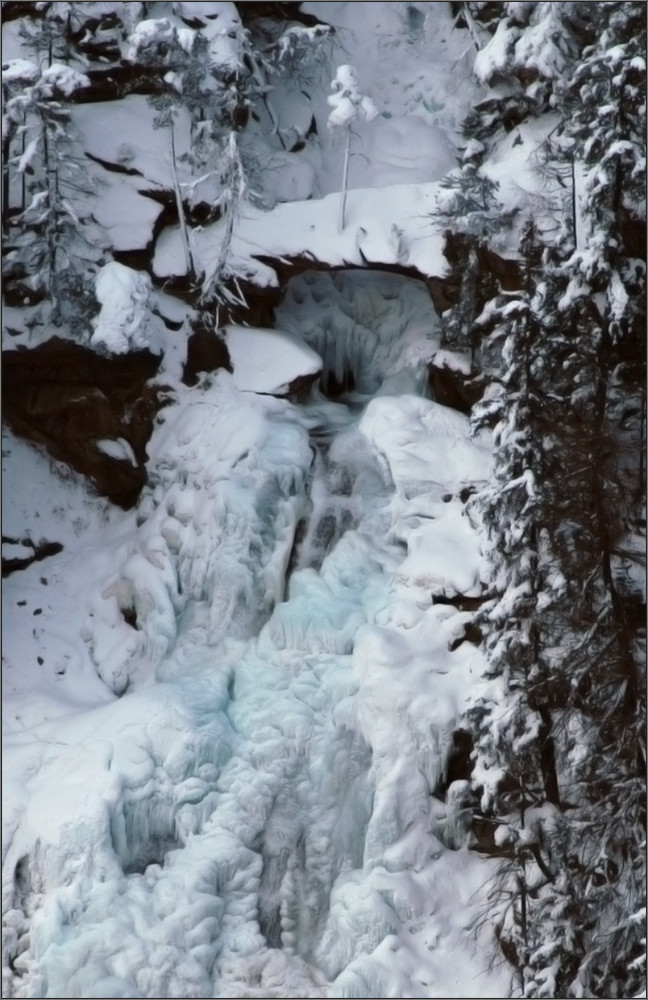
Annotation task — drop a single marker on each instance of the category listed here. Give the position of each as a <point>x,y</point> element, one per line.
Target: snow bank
<point>406,148</point>
<point>268,360</point>
<point>122,133</point>
<point>127,217</point>
<point>47,670</point>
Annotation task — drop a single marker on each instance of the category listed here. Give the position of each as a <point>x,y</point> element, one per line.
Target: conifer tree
<point>349,106</point>
<point>51,241</point>
<point>560,751</point>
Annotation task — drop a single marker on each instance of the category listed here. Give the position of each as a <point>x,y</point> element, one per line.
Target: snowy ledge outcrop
<point>395,225</point>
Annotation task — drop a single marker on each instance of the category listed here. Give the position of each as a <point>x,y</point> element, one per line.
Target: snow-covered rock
<point>394,225</point>
<point>123,321</point>
<point>268,361</point>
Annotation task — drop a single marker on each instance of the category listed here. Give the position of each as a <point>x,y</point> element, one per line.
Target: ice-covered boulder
<point>422,442</point>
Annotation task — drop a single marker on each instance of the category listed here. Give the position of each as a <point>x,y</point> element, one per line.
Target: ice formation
<point>256,809</point>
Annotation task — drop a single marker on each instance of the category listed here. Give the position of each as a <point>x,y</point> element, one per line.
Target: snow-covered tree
<point>216,73</point>
<point>349,106</point>
<point>469,198</point>
<point>47,36</point>
<point>51,239</point>
<point>470,210</point>
<point>560,676</point>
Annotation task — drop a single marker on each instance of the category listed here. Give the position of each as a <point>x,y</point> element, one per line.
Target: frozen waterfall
<point>259,807</point>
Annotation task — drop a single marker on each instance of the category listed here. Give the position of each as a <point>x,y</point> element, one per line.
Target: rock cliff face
<point>119,178</point>
<point>69,399</point>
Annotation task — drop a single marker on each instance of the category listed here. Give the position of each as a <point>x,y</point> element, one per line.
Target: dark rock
<point>250,12</point>
<point>140,258</point>
<point>206,352</point>
<point>459,762</point>
<point>115,168</point>
<point>301,529</point>
<point>64,397</point>
<point>482,837</point>
<point>240,117</point>
<point>202,213</point>
<point>40,551</point>
<point>11,10</point>
<point>472,634</point>
<point>453,388</point>
<point>300,387</point>
<point>130,616</point>
<point>259,308</point>
<point>460,602</point>
<point>506,271</point>
<point>110,83</point>
<point>98,48</point>
<point>633,234</point>
<point>334,387</point>
<point>444,292</point>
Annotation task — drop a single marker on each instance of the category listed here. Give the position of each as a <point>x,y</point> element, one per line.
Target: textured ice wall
<point>367,326</point>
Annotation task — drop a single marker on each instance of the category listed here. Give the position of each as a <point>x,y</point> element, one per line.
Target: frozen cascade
<point>368,327</point>
<point>259,810</point>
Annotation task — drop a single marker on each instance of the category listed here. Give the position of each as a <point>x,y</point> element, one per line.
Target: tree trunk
<point>184,232</point>
<point>641,485</point>
<point>273,119</point>
<point>574,206</point>
<point>470,24</point>
<point>5,186</point>
<point>548,759</point>
<point>345,178</point>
